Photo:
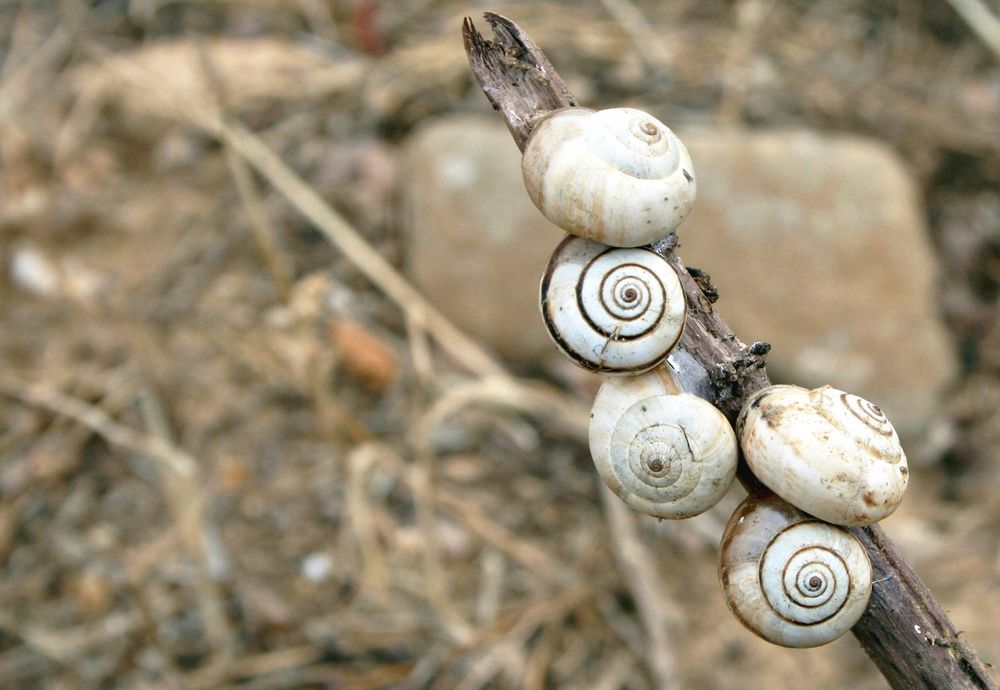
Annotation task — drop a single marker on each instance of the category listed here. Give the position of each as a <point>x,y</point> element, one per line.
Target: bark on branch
<point>904,631</point>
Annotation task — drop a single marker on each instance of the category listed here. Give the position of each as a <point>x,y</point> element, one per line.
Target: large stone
<point>818,245</point>
<point>477,247</point>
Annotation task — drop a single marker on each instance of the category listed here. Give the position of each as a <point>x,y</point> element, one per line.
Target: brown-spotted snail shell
<point>789,578</point>
<point>664,453</point>
<point>611,310</point>
<point>616,176</point>
<point>830,453</point>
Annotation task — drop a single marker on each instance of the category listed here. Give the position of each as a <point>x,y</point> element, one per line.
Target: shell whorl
<point>864,418</point>
<point>830,453</point>
<point>791,579</point>
<point>634,142</point>
<point>667,455</point>
<point>617,176</point>
<point>610,310</point>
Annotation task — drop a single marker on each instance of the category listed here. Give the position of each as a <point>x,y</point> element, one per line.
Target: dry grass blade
<point>174,459</point>
<point>540,402</point>
<point>373,576</point>
<point>263,231</point>
<point>376,268</point>
<point>189,107</point>
<point>515,638</point>
<point>520,550</point>
<point>981,20</point>
<point>65,646</point>
<point>179,480</point>
<point>615,674</point>
<point>20,82</point>
<point>258,665</point>
<point>658,613</point>
<point>649,46</point>
<point>373,265</point>
<point>188,500</point>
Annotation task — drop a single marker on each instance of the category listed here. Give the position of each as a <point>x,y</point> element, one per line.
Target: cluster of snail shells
<point>791,572</point>
<point>615,180</point>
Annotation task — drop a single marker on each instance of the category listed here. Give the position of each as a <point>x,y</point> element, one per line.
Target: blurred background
<point>277,409</point>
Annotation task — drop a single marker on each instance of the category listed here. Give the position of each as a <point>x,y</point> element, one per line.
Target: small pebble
<point>317,567</point>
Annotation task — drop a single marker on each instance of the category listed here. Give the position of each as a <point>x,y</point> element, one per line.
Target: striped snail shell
<point>664,453</point>
<point>789,578</point>
<point>611,310</point>
<point>617,176</point>
<point>830,453</point>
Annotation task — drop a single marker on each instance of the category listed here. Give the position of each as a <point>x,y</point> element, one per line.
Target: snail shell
<point>617,176</point>
<point>830,453</point>
<point>664,454</point>
<point>617,311</point>
<point>789,578</point>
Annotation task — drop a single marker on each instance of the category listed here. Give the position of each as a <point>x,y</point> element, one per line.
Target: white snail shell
<point>664,454</point>
<point>611,310</point>
<point>830,453</point>
<point>789,578</point>
<point>617,176</point>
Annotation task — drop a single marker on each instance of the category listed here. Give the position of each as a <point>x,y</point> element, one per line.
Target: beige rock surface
<point>817,244</point>
<point>477,246</point>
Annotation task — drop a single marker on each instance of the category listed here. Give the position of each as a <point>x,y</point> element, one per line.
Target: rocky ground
<point>237,451</point>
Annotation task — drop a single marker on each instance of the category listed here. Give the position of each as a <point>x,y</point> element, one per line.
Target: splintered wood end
<point>515,74</point>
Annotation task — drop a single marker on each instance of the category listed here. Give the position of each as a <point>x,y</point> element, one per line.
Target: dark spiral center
<point>630,295</point>
<point>655,464</point>
<point>815,582</point>
<point>648,128</point>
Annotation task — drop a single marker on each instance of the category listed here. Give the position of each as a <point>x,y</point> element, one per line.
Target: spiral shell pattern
<point>790,579</point>
<point>830,453</point>
<point>868,413</point>
<point>617,176</point>
<point>672,456</point>
<point>616,311</point>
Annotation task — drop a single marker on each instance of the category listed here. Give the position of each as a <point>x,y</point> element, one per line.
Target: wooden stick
<point>904,631</point>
